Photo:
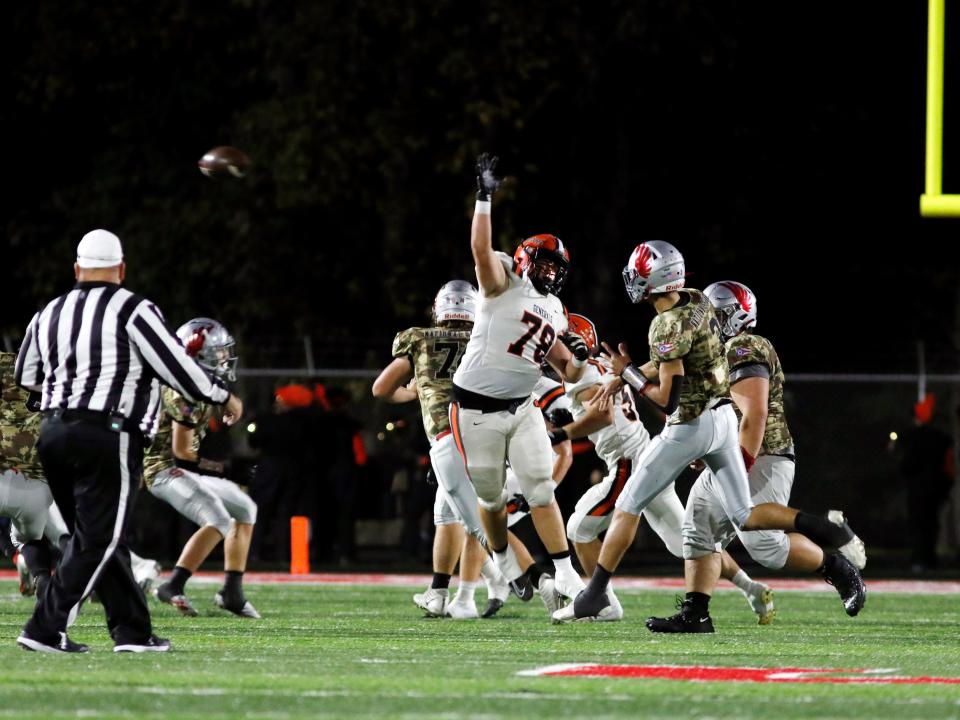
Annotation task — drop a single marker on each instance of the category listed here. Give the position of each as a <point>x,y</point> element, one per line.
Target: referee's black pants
<point>94,474</point>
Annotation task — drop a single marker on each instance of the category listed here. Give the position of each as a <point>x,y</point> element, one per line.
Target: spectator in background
<point>926,464</point>
<point>281,438</point>
<point>346,460</point>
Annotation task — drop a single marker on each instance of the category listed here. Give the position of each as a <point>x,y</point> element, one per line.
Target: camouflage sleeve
<point>404,344</point>
<point>668,340</point>
<point>747,357</point>
<point>180,409</point>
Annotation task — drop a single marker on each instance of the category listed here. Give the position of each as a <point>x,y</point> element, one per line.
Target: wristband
<point>482,207</point>
<point>748,459</point>
<point>558,436</point>
<point>579,363</point>
<point>634,378</point>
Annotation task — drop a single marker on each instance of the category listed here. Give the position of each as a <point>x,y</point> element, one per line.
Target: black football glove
<point>577,346</point>
<point>487,182</point>
<point>558,417</point>
<point>557,436</point>
<point>33,401</point>
<point>431,480</point>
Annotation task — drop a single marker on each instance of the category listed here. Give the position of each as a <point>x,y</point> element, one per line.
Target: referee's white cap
<point>99,249</point>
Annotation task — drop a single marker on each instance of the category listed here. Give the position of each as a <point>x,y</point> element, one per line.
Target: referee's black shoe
<point>64,645</point>
<point>151,644</point>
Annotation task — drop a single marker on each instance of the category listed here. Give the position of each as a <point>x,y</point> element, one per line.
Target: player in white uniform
<point>493,417</point>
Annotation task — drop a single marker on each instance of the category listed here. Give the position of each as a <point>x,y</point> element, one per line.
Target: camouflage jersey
<point>434,354</point>
<point>689,330</point>
<point>753,356</point>
<point>175,408</point>
<point>19,427</point>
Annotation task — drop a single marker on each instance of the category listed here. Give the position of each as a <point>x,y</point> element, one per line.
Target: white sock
<point>563,566</point>
<point>742,581</point>
<point>489,571</point>
<point>465,591</point>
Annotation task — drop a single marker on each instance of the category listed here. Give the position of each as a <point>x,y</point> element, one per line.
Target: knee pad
<point>216,517</point>
<point>769,548</point>
<point>541,494</point>
<point>697,544</point>
<point>494,505</point>
<point>246,512</point>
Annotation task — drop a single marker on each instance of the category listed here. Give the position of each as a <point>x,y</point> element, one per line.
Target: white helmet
<point>208,342</point>
<point>653,267</point>
<point>457,300</point>
<point>736,306</point>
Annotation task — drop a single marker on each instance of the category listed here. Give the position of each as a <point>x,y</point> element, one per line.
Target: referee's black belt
<point>475,401</point>
<point>101,418</point>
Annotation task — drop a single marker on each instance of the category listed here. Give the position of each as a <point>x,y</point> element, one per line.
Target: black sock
<point>534,572</point>
<point>178,578</point>
<point>821,530</point>
<point>500,551</point>
<point>233,582</point>
<point>597,587</point>
<point>441,581</point>
<point>699,602</point>
<point>560,555</point>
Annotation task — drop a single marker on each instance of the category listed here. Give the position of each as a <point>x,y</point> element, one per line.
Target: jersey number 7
<point>543,345</point>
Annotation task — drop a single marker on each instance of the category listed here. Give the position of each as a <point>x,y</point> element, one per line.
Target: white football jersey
<point>626,436</point>
<point>512,334</point>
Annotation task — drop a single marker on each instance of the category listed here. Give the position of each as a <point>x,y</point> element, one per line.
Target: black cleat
<point>64,645</point>
<point>493,607</point>
<point>687,620</point>
<point>523,588</point>
<point>845,577</point>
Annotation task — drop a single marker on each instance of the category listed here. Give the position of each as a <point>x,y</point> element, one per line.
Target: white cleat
<point>27,586</point>
<point>614,611</point>
<point>246,610</point>
<point>569,584</point>
<point>547,589</point>
<point>567,614</point>
<point>433,602</point>
<point>760,597</point>
<point>462,609</point>
<point>853,550</point>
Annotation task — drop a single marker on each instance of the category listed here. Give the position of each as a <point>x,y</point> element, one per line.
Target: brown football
<point>224,161</point>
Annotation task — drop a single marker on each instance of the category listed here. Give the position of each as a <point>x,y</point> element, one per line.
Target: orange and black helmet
<point>535,255</point>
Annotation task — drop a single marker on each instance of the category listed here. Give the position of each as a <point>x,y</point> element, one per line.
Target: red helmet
<point>532,257</point>
<point>585,328</point>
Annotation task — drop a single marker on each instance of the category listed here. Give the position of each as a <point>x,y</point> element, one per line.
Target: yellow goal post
<point>933,203</point>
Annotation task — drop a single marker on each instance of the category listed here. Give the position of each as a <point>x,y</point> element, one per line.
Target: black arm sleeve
<point>673,402</point>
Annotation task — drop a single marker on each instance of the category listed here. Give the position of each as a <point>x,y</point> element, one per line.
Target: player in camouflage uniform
<point>757,379</point>
<point>430,356</point>
<point>686,378</point>
<point>174,472</point>
<point>38,529</point>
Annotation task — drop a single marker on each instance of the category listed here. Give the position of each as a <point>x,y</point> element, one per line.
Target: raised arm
<point>491,275</point>
<point>161,350</point>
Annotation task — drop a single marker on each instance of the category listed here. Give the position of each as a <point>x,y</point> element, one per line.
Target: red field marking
<point>929,587</point>
<point>706,673</point>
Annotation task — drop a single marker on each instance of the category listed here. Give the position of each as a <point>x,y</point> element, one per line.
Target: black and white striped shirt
<point>101,347</point>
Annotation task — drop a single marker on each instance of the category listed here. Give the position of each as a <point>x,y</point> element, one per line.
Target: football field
<point>358,650</point>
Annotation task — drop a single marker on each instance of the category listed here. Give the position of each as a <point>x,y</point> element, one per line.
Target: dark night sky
<point>781,146</point>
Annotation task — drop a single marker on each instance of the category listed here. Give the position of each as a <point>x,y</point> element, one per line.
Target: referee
<point>98,355</point>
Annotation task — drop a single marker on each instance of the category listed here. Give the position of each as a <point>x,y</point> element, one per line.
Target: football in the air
<point>224,161</point>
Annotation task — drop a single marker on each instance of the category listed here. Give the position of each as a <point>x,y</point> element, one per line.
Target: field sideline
<point>343,645</point>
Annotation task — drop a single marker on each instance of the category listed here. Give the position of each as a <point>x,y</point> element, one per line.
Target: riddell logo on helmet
<point>674,286</point>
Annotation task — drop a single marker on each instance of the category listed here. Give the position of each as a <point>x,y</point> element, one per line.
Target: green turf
<point>364,651</point>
